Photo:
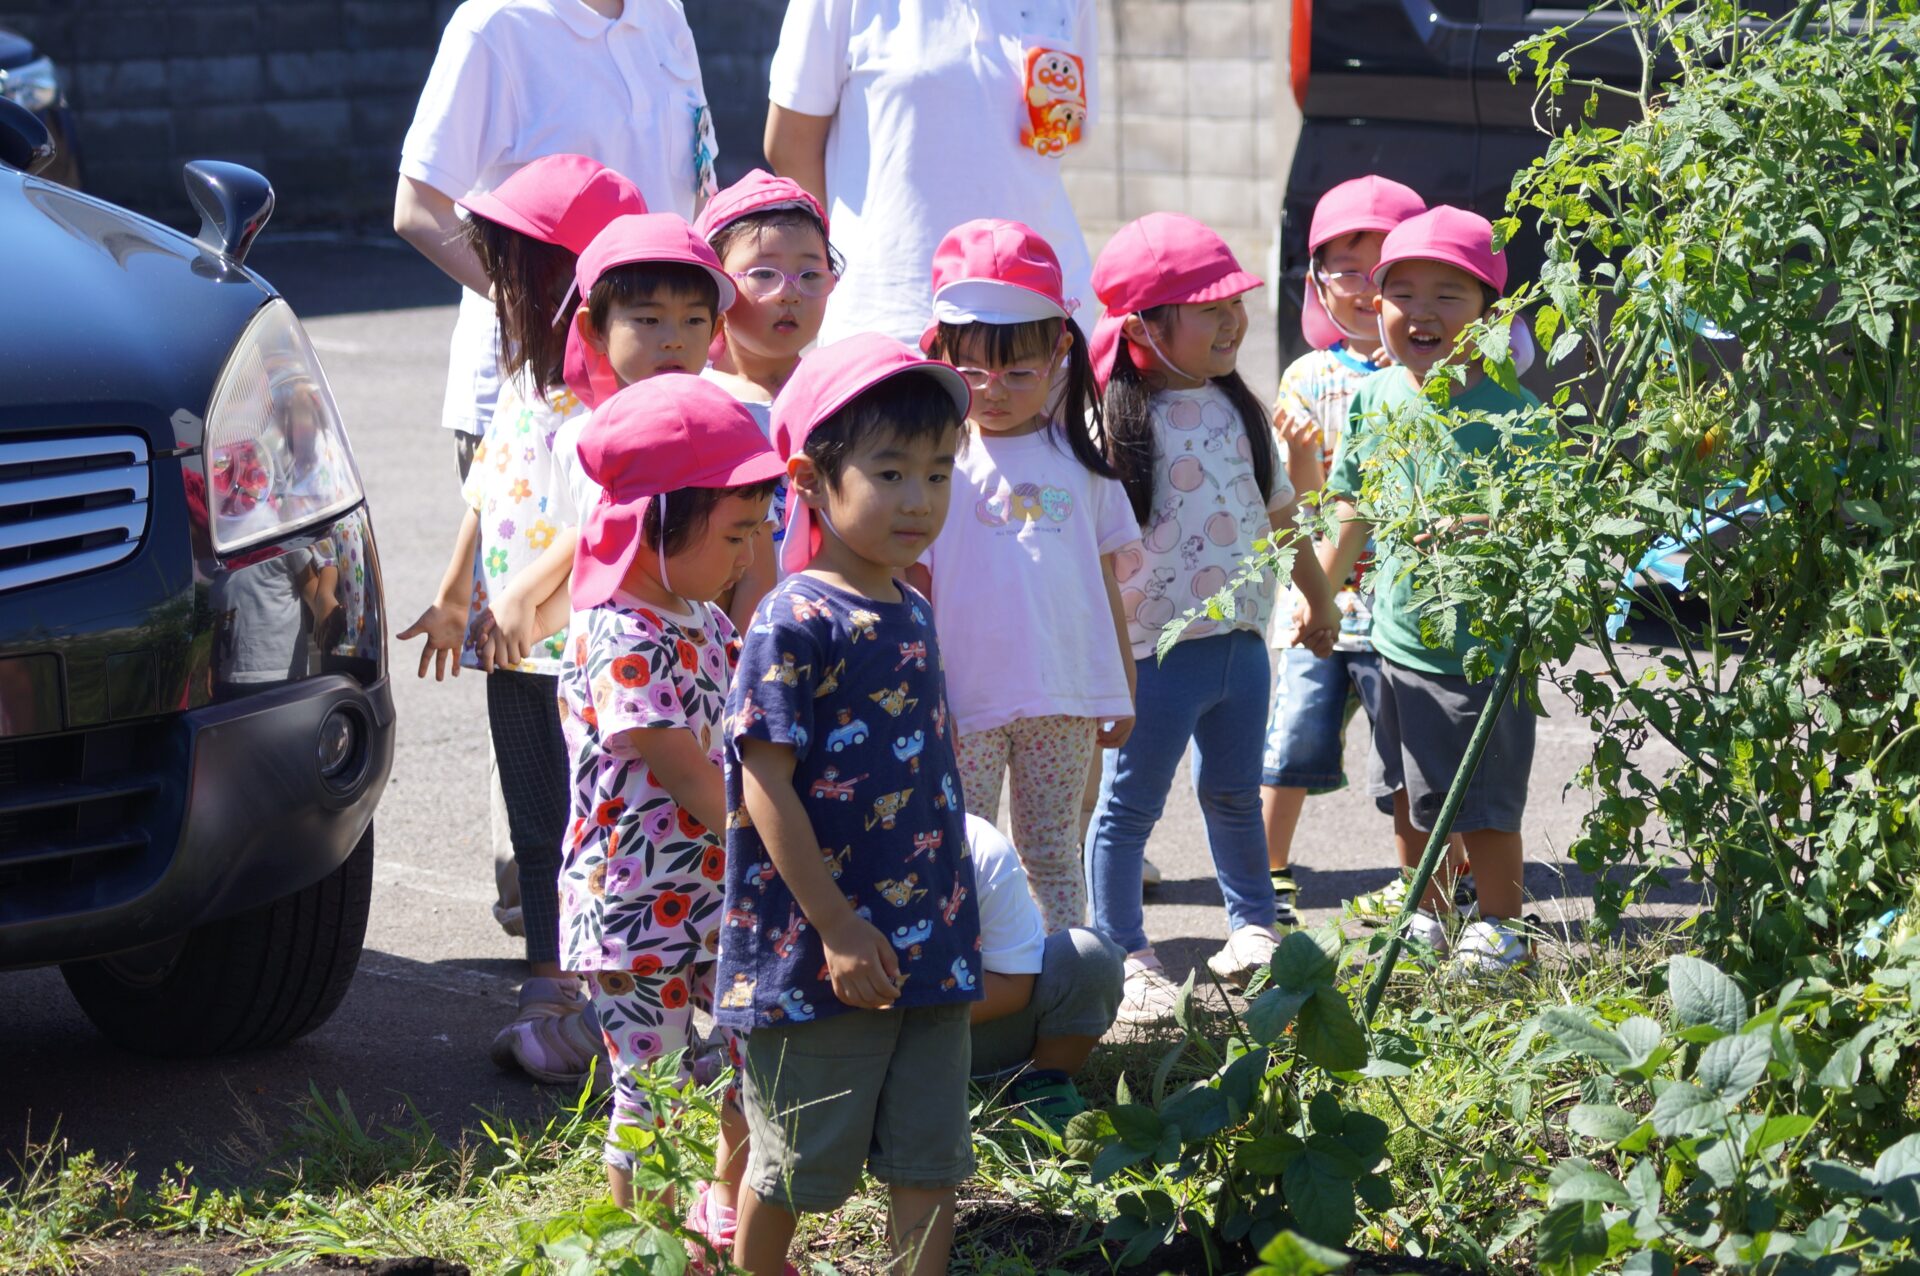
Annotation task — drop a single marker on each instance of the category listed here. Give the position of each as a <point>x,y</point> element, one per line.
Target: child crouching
<point>685,478</point>
<point>852,941</point>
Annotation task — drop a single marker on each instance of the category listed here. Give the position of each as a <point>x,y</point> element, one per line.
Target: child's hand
<point>513,633</point>
<point>1297,431</point>
<point>1319,631</point>
<point>445,629</point>
<point>862,965</point>
<point>1114,735</point>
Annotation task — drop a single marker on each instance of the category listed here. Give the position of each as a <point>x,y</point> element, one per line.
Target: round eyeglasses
<point>1016,380</point>
<point>1349,283</point>
<point>762,282</point>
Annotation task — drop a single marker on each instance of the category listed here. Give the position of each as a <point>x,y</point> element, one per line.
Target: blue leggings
<point>1212,691</point>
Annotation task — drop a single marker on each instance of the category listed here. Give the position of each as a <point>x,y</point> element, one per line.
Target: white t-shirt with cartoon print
<point>1207,513</point>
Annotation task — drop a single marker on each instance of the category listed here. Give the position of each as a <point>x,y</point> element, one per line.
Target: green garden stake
<point>1437,841</point>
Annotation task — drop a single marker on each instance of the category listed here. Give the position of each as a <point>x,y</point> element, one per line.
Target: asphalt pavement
<point>438,976</point>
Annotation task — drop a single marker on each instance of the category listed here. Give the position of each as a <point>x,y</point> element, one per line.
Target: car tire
<point>258,979</point>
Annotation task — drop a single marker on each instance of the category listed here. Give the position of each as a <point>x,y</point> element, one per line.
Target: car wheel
<point>261,978</point>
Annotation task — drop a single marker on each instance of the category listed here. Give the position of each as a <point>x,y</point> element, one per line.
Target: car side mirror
<point>233,201</point>
<point>25,143</point>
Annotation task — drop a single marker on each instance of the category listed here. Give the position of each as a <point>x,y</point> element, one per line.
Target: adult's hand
<point>427,219</point>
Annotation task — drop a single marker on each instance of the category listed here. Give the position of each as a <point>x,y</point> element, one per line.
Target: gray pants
<point>1075,995</point>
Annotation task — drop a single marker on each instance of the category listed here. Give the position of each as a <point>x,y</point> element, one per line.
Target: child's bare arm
<point>1322,625</point>
<point>1351,542</point>
<point>518,617</point>
<point>860,961</point>
<point>684,770</point>
<point>1115,736</point>
<point>444,624</point>
<point>1001,995</point>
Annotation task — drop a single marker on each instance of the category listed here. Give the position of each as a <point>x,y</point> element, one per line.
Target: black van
<point>195,723</point>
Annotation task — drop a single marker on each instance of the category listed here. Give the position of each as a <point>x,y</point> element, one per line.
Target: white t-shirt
<point>1207,513</point>
<point>928,100</point>
<point>1013,938</point>
<point>1025,624</point>
<point>515,80</point>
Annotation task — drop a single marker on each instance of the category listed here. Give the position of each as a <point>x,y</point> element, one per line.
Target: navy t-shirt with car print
<point>854,686</point>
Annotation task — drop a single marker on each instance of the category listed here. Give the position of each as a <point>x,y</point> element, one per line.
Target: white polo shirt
<point>516,80</point>
<point>928,102</point>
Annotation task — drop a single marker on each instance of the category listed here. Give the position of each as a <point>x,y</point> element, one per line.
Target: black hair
<point>772,218</point>
<point>907,406</point>
<point>529,278</point>
<point>642,281</point>
<point>688,509</point>
<point>1078,420</point>
<point>1129,423</point>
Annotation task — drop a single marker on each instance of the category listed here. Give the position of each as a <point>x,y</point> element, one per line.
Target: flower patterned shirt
<point>1318,387</point>
<point>1207,513</point>
<point>854,686</point>
<point>640,878</point>
<point>521,494</point>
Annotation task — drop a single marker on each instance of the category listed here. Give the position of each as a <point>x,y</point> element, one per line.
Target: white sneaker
<point>1492,948</point>
<point>1425,931</point>
<point>1248,949</point>
<point>1147,996</point>
<point>1149,872</point>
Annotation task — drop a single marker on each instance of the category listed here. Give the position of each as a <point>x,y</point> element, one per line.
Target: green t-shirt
<point>1396,609</point>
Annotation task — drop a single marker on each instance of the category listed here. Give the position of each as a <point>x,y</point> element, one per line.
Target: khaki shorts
<point>881,1089</point>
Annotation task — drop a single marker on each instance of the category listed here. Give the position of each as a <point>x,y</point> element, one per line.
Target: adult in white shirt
<point>514,80</point>
<point>1048,999</point>
<point>908,117</point>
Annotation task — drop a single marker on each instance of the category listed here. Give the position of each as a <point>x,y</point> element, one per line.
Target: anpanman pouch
<point>1056,89</point>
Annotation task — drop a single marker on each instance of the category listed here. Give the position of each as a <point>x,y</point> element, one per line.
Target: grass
<point>1474,1128</point>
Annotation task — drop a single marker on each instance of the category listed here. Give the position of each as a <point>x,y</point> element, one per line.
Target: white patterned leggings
<point>1049,758</point>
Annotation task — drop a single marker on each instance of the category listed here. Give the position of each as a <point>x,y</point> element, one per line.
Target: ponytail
<point>1129,424</point>
<point>1077,419</point>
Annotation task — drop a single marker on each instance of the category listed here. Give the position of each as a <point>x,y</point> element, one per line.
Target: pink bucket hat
<point>622,242</point>
<point>1162,259</point>
<point>1368,203</point>
<point>757,192</point>
<point>826,381</point>
<point>654,437</point>
<point>1458,238</point>
<point>559,199</point>
<point>993,271</point>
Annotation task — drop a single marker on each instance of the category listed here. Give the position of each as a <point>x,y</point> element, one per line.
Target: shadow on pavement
<point>411,1037</point>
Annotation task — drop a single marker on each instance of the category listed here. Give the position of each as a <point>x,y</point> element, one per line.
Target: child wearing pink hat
<point>527,233</point>
<point>1195,451</point>
<point>771,238</point>
<point>851,951</point>
<point>649,294</point>
<point>1438,272</point>
<point>684,478</point>
<point>1312,697</point>
<point>1022,575</point>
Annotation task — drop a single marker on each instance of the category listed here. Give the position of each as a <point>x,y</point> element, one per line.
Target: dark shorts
<point>1421,725</point>
<point>884,1090</point>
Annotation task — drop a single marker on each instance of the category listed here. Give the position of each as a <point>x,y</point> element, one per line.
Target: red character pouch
<point>1056,88</point>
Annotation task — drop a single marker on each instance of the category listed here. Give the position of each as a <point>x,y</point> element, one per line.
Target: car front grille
<point>70,504</point>
<point>83,815</point>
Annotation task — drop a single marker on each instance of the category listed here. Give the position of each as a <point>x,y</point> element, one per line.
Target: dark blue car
<point>195,722</point>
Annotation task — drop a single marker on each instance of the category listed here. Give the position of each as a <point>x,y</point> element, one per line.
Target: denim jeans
<point>1212,691</point>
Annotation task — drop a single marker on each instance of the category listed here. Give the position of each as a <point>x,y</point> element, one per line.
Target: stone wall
<point>318,93</point>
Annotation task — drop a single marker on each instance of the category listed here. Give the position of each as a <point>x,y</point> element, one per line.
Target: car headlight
<point>276,450</point>
<point>34,85</point>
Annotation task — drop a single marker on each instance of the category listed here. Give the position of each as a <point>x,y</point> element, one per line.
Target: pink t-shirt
<point>1018,595</point>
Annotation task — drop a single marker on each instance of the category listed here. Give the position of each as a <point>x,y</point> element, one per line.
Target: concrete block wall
<point>318,94</point>
<point>1188,120</point>
<point>315,93</point>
